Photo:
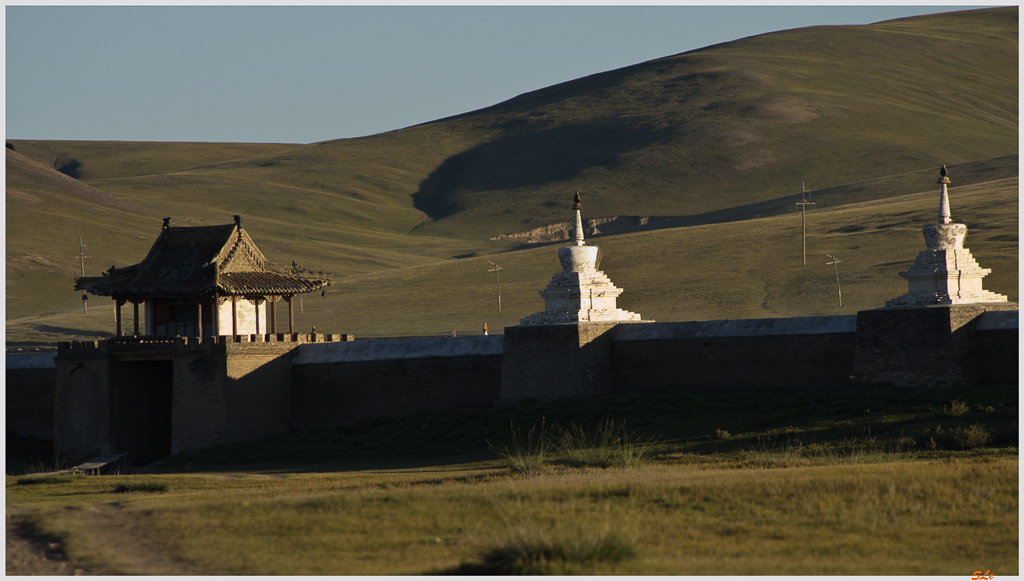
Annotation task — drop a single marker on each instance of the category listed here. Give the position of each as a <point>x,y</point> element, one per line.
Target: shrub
<point>955,409</point>
<point>141,487</point>
<point>770,454</point>
<point>969,438</point>
<point>527,454</point>
<point>526,553</point>
<point>46,479</point>
<point>861,450</point>
<point>609,444</point>
<point>956,438</point>
<point>721,434</point>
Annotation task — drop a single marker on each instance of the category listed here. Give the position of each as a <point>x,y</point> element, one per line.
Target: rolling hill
<point>719,138</point>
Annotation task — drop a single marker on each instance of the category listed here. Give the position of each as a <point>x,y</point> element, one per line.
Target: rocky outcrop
<point>564,230</point>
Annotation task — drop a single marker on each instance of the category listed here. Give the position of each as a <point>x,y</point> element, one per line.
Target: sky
<point>275,74</point>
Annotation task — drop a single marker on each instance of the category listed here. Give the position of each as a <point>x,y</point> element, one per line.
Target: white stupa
<point>580,293</point>
<point>945,273</point>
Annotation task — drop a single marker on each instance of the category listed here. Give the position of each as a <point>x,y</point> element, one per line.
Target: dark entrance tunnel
<point>141,396</point>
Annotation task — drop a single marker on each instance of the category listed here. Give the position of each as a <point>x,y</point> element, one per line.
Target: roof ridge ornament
<point>167,223</point>
<point>238,221</point>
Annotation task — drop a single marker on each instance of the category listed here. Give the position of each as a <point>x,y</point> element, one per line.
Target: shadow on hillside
<point>529,158</point>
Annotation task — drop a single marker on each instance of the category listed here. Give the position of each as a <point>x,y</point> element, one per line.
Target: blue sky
<point>306,74</point>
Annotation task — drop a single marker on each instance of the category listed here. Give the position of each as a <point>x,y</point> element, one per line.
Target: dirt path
<point>28,554</point>
<point>120,540</point>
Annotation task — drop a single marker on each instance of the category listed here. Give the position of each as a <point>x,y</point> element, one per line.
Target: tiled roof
<point>196,261</point>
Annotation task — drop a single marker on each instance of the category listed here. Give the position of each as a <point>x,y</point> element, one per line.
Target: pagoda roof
<point>190,261</point>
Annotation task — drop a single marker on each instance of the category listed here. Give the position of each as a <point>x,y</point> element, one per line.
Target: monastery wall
<point>934,345</point>
<point>81,426</point>
<point>160,395</point>
<point>29,387</point>
<point>342,382</point>
<point>702,355</point>
<point>997,347</point>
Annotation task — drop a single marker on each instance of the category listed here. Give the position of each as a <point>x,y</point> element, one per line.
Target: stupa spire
<point>944,215</point>
<point>579,220</point>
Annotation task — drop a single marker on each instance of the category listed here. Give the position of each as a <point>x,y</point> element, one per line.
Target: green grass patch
<point>144,486</point>
<point>530,552</point>
<point>46,479</point>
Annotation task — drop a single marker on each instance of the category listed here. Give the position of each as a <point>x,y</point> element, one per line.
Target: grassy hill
<point>713,136</point>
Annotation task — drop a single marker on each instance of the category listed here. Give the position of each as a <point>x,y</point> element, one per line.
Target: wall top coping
<point>31,360</point>
<point>405,348</point>
<point>998,321</point>
<point>737,328</point>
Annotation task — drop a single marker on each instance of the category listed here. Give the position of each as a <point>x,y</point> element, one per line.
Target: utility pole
<point>82,257</point>
<point>803,203</point>
<point>498,280</point>
<point>834,262</point>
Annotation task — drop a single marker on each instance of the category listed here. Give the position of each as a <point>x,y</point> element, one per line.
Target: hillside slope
<point>725,133</point>
<point>742,122</point>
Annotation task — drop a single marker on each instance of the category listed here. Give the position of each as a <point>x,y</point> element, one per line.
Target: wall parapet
<point>736,328</point>
<point>404,348</point>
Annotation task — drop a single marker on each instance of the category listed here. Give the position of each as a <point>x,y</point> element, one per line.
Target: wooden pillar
<point>234,315</point>
<point>117,316</point>
<point>256,301</point>
<point>135,304</point>
<point>201,302</point>
<point>216,314</point>
<point>273,314</point>
<point>291,314</point>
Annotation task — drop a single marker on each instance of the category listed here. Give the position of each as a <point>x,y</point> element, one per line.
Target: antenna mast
<point>498,280</point>
<point>82,257</point>
<point>834,262</point>
<point>803,203</point>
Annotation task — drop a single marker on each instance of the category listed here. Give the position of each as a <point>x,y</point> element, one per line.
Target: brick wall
<point>231,391</point>
<point>546,362</point>
<point>700,355</point>
<point>82,401</point>
<point>333,393</point>
<point>344,382</point>
<point>997,347</point>
<point>928,346</point>
<point>30,379</point>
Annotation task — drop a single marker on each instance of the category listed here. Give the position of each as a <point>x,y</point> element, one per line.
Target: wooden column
<point>216,314</point>
<point>256,301</point>
<point>291,314</point>
<point>273,314</point>
<point>117,317</point>
<point>135,305</point>
<point>234,316</point>
<point>201,301</point>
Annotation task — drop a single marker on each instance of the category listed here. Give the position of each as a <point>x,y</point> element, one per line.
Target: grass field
<point>858,481</point>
